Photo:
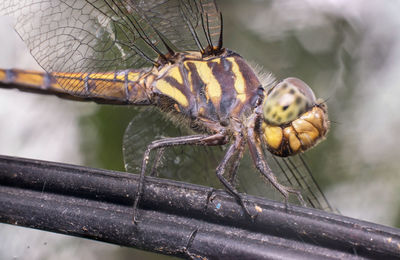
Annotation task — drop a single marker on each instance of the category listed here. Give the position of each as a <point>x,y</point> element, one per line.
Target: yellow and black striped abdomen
<point>122,87</point>
<point>217,88</point>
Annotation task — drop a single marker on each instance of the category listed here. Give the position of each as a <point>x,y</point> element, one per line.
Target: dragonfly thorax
<point>213,90</point>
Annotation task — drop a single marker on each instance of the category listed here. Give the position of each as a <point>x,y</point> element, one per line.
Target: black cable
<point>175,217</point>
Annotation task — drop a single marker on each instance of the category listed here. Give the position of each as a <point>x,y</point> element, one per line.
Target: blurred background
<point>347,51</point>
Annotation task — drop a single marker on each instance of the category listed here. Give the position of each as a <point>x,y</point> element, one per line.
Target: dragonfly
<point>169,54</point>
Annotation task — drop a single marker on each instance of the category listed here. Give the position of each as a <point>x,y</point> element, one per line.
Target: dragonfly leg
<point>234,168</point>
<point>232,154</point>
<point>186,248</point>
<point>232,171</point>
<point>216,139</point>
<point>262,166</point>
<point>157,161</point>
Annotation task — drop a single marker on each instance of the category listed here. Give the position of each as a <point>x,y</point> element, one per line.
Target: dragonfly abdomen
<point>121,87</point>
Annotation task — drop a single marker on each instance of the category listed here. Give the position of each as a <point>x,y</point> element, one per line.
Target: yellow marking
<point>2,74</point>
<point>29,78</point>
<point>108,84</point>
<point>133,76</point>
<point>74,80</point>
<point>167,89</point>
<point>189,76</point>
<point>313,117</point>
<point>273,135</point>
<point>55,85</point>
<point>176,74</point>
<point>258,208</point>
<point>212,88</point>
<point>104,76</point>
<point>98,87</point>
<point>190,81</point>
<point>217,60</point>
<point>69,75</point>
<point>100,84</point>
<point>76,84</point>
<point>306,132</point>
<point>318,118</point>
<point>294,142</point>
<point>239,84</point>
<point>116,89</point>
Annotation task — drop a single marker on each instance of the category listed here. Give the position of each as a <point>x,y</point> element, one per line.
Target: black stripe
<point>47,79</point>
<point>199,92</point>
<point>10,76</point>
<point>126,83</point>
<point>86,83</point>
<point>224,75</point>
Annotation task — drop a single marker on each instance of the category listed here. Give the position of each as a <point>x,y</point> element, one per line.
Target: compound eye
<point>287,101</point>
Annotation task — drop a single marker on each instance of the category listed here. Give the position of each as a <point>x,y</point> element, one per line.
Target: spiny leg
<point>230,154</point>
<point>262,166</point>
<point>216,139</point>
<point>234,167</point>
<point>232,170</point>
<point>157,161</point>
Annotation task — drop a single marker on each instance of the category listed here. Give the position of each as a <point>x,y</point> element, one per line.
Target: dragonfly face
<point>294,120</point>
<point>96,50</point>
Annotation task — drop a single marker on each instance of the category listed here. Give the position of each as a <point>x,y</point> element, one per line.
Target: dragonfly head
<point>293,119</point>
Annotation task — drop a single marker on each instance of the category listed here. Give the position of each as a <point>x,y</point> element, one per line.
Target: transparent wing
<point>87,36</point>
<point>296,173</point>
<point>185,23</point>
<point>193,164</point>
<point>197,164</point>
